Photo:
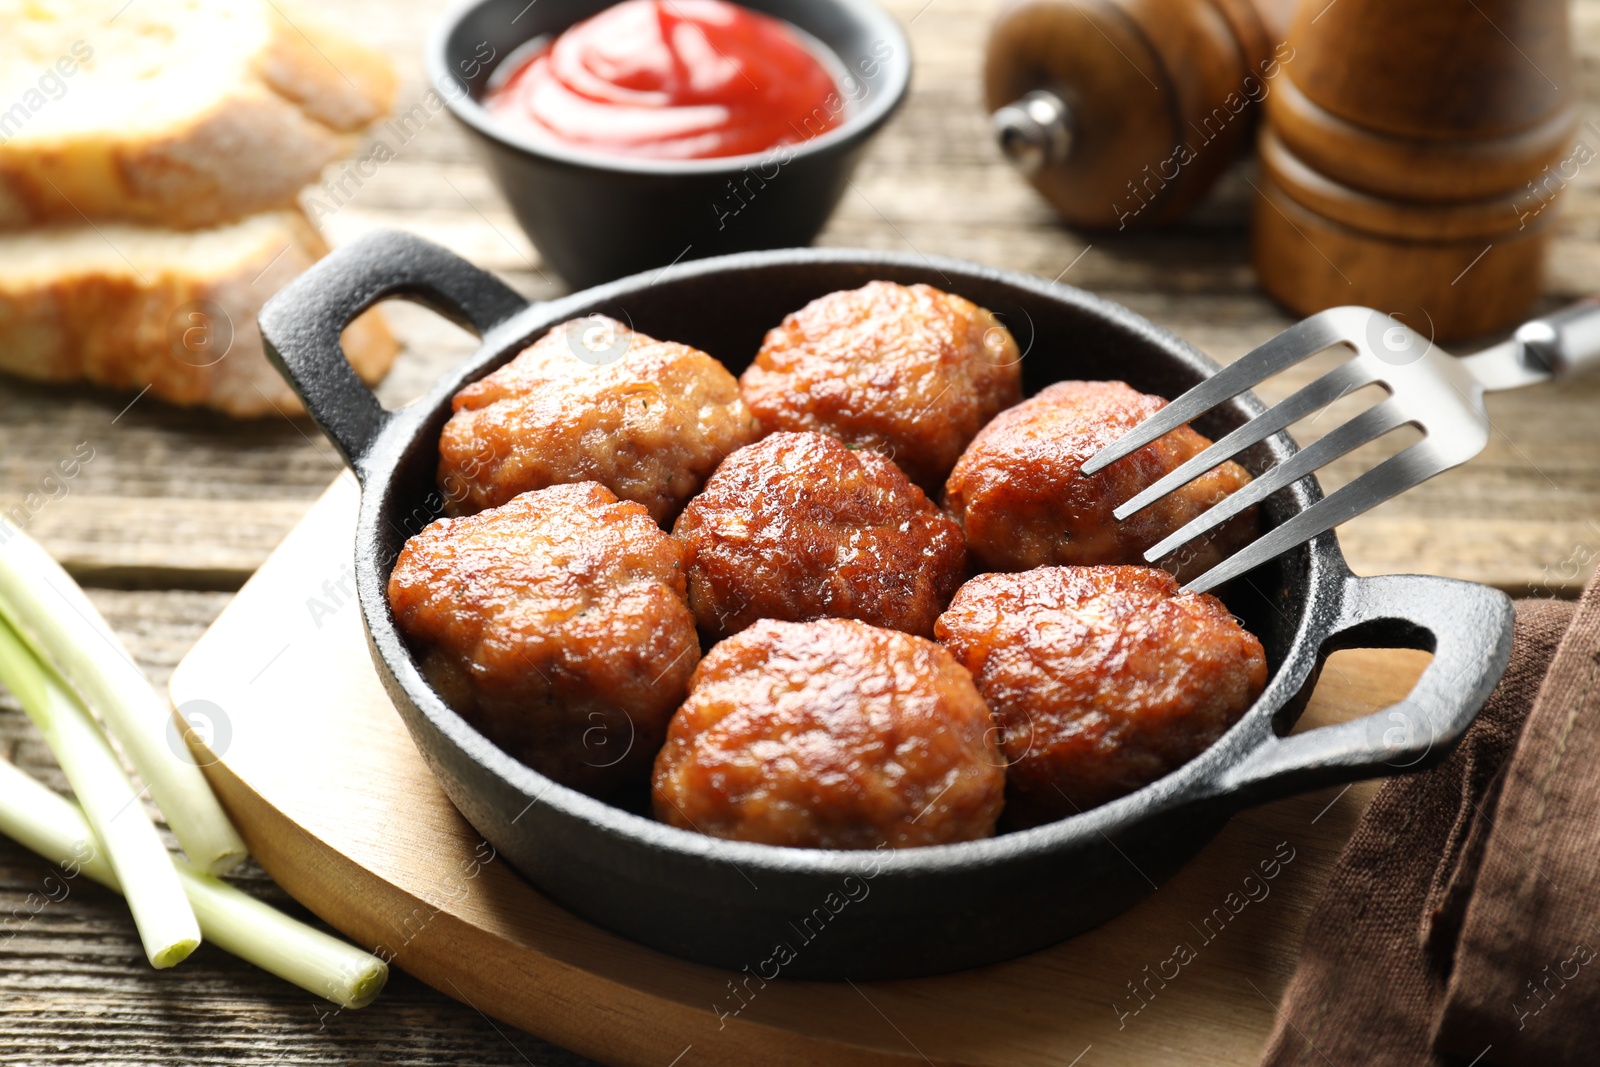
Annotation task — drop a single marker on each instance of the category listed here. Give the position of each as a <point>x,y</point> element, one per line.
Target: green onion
<point>166,923</point>
<point>54,617</point>
<point>51,825</point>
<point>288,948</point>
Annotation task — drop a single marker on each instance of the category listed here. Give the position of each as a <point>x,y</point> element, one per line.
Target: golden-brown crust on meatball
<point>831,734</point>
<point>799,526</point>
<point>1019,495</point>
<point>593,401</point>
<point>556,625</point>
<point>905,370</point>
<point>1103,679</point>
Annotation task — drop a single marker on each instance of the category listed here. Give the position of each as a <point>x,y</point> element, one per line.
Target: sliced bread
<point>129,307</point>
<point>181,113</point>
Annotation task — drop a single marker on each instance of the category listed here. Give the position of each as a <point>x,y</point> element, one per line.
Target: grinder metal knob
<point>1035,131</point>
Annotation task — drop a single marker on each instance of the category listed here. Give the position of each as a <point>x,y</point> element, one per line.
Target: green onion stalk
<point>56,620</point>
<point>54,827</point>
<point>166,923</point>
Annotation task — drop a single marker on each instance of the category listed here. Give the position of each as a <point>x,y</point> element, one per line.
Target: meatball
<point>1102,679</point>
<point>799,526</point>
<point>906,370</point>
<point>593,401</point>
<point>831,734</point>
<point>1018,493</point>
<point>556,625</point>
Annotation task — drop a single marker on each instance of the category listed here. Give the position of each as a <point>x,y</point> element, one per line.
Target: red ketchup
<point>673,79</point>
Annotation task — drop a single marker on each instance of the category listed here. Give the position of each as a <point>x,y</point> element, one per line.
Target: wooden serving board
<point>316,768</point>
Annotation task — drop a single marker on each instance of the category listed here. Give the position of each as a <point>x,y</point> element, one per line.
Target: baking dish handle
<point>1466,626</point>
<point>300,326</point>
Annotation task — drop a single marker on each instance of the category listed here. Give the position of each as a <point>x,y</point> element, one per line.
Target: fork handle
<point>1566,342</point>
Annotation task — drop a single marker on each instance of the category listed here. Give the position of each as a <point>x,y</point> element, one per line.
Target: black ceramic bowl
<point>888,913</point>
<point>596,217</point>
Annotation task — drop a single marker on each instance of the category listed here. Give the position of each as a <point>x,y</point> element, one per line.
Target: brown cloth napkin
<point>1461,924</point>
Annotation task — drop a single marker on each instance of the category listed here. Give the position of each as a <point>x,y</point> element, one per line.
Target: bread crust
<point>292,111</point>
<point>115,328</point>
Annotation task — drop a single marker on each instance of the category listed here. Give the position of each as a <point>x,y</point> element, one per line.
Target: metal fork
<point>1428,388</point>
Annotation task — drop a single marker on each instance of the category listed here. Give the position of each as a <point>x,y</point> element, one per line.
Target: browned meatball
<point>1103,679</point>
<point>907,370</point>
<point>1019,494</point>
<point>556,625</point>
<point>831,734</point>
<point>799,526</point>
<point>593,401</point>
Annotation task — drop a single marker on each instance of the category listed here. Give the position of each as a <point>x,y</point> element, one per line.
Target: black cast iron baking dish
<point>889,913</point>
<point>596,217</point>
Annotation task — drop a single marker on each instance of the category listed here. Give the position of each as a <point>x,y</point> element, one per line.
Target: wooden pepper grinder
<point>1122,113</point>
<point>1409,156</point>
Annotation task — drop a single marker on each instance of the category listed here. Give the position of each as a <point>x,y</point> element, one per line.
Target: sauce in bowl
<point>672,79</point>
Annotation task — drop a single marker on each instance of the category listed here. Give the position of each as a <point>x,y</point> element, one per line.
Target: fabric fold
<point>1526,979</point>
<point>1377,955</point>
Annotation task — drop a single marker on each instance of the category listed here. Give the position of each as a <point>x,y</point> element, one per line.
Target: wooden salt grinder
<point>1409,156</point>
<point>1122,113</point>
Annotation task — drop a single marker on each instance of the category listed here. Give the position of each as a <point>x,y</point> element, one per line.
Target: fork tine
<point>1369,425</point>
<point>1344,378</point>
<point>1299,342</point>
<point>1388,479</point>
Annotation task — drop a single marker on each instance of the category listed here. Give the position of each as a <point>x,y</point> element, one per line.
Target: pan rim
<point>1325,575</point>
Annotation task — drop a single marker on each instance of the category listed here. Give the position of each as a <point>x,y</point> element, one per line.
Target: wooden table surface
<point>176,508</point>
